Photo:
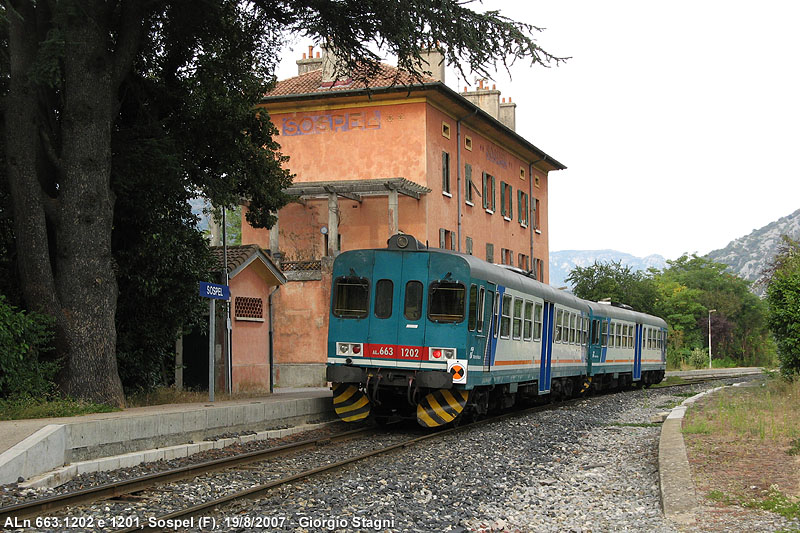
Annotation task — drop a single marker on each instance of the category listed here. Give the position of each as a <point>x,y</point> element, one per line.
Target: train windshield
<point>351,297</point>
<point>446,301</point>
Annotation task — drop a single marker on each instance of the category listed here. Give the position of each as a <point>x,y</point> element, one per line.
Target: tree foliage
<point>115,112</point>
<point>783,296</point>
<point>682,294</point>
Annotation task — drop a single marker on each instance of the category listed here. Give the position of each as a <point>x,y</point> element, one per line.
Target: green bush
<point>23,338</point>
<point>699,358</point>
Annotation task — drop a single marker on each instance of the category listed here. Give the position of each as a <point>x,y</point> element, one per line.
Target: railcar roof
<point>508,278</point>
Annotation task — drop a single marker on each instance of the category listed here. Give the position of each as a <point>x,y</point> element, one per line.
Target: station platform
<point>50,451</point>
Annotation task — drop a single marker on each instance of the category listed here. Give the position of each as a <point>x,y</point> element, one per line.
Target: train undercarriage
<point>431,398</point>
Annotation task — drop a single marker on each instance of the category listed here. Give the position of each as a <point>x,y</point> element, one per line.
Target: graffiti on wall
<point>332,123</point>
<point>497,156</point>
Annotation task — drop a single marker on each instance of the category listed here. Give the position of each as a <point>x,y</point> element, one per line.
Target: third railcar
<point>435,334</point>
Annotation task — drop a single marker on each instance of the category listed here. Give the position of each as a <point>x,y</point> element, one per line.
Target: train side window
<point>649,339</point>
<point>605,333</point>
<point>446,301</point>
<point>559,315</point>
<point>595,333</point>
<point>625,335</point>
<point>618,335</point>
<point>412,307</point>
<point>351,297</point>
<point>527,328</point>
<point>481,296</point>
<point>572,328</point>
<point>585,330</point>
<point>537,321</point>
<point>517,327</point>
<point>505,320</point>
<point>384,290</point>
<point>473,307</point>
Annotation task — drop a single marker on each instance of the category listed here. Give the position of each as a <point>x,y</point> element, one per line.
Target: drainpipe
<point>271,336</point>
<point>458,172</point>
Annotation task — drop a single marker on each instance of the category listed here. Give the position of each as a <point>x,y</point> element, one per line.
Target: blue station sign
<point>212,290</point>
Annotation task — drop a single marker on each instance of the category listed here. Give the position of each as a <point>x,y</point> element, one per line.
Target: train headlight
<point>344,348</point>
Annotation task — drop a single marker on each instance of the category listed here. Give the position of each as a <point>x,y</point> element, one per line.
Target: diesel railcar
<point>436,335</point>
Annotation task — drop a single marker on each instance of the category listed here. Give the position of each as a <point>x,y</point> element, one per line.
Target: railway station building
<point>404,155</point>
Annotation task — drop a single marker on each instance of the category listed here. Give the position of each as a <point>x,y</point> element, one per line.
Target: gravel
<point>588,466</point>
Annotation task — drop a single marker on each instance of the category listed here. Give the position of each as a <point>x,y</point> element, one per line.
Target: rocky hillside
<point>747,256</point>
<point>561,263</point>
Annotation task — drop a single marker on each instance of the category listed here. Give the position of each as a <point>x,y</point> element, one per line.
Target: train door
<point>595,348</point>
<point>479,331</point>
<point>492,309</point>
<point>637,354</point>
<point>547,348</point>
<point>411,315</point>
<point>386,295</point>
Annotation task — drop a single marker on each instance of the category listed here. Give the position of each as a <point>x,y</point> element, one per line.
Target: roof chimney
<point>432,60</point>
<point>485,98</point>
<point>308,64</point>
<point>508,114</point>
<point>333,68</point>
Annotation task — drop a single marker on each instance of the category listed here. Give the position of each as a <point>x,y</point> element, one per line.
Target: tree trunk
<point>71,277</point>
<point>86,282</point>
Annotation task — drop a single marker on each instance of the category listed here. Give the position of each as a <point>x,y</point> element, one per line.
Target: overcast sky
<point>679,121</point>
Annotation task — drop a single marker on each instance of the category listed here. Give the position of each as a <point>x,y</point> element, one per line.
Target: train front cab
<point>397,339</point>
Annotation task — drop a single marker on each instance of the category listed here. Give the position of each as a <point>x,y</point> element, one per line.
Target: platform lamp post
<point>709,335</point>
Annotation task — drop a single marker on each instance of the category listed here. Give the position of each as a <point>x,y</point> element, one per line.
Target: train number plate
<point>393,351</point>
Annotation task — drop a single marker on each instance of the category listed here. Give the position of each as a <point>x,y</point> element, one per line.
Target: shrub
<point>23,338</point>
<point>699,358</point>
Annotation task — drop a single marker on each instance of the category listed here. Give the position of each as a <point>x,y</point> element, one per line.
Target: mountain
<point>561,263</point>
<point>747,256</point>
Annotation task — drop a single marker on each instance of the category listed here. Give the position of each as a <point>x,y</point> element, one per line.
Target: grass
<point>744,439</point>
<point>670,381</point>
<point>23,408</point>
<point>165,395</point>
<point>769,411</point>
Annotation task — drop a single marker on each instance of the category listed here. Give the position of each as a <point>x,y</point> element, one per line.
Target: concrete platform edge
<point>62,475</point>
<point>91,441</point>
<point>678,494</point>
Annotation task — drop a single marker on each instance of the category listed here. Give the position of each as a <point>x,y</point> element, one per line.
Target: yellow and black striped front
<point>350,403</point>
<point>441,407</point>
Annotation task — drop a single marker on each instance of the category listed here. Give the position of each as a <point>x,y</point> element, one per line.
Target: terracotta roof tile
<point>311,82</point>
<point>237,255</point>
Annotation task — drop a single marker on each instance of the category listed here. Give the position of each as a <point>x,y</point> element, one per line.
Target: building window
<point>536,179</point>
<point>506,207</point>
<point>536,225</point>
<point>447,239</point>
<point>488,192</point>
<point>445,130</point>
<point>251,309</point>
<point>489,252</point>
<point>468,143</point>
<point>507,257</point>
<point>522,208</point>
<point>468,183</point>
<point>521,173</point>
<point>523,262</point>
<point>469,245</point>
<point>446,172</point>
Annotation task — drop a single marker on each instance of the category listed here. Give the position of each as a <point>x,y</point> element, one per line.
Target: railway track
<point>42,507</point>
